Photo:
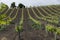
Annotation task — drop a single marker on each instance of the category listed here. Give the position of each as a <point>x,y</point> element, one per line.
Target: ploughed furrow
<point>32,16</point>
<point>35,13</point>
<point>55,8</point>
<point>49,11</point>
<point>14,13</point>
<point>42,11</point>
<point>39,12</point>
<point>45,11</point>
<point>4,10</point>
<point>18,17</point>
<point>13,18</point>
<point>26,18</point>
<point>53,12</point>
<point>31,13</point>
<point>8,11</point>
<point>25,14</point>
<point>52,9</point>
<point>9,14</point>
<point>34,8</point>
<point>58,6</point>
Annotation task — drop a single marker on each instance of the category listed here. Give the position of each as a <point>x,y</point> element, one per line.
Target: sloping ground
<point>30,33</point>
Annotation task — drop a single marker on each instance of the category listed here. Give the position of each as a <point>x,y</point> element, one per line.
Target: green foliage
<point>13,5</point>
<point>50,28</point>
<point>34,20</point>
<point>57,30</point>
<point>2,16</point>
<point>53,19</point>
<point>3,22</point>
<point>21,6</point>
<point>19,28</point>
<point>36,26</point>
<point>3,6</point>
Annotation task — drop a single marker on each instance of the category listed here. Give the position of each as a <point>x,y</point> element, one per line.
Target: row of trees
<point>19,5</point>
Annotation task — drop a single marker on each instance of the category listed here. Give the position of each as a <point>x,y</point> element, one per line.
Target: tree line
<point>19,5</point>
